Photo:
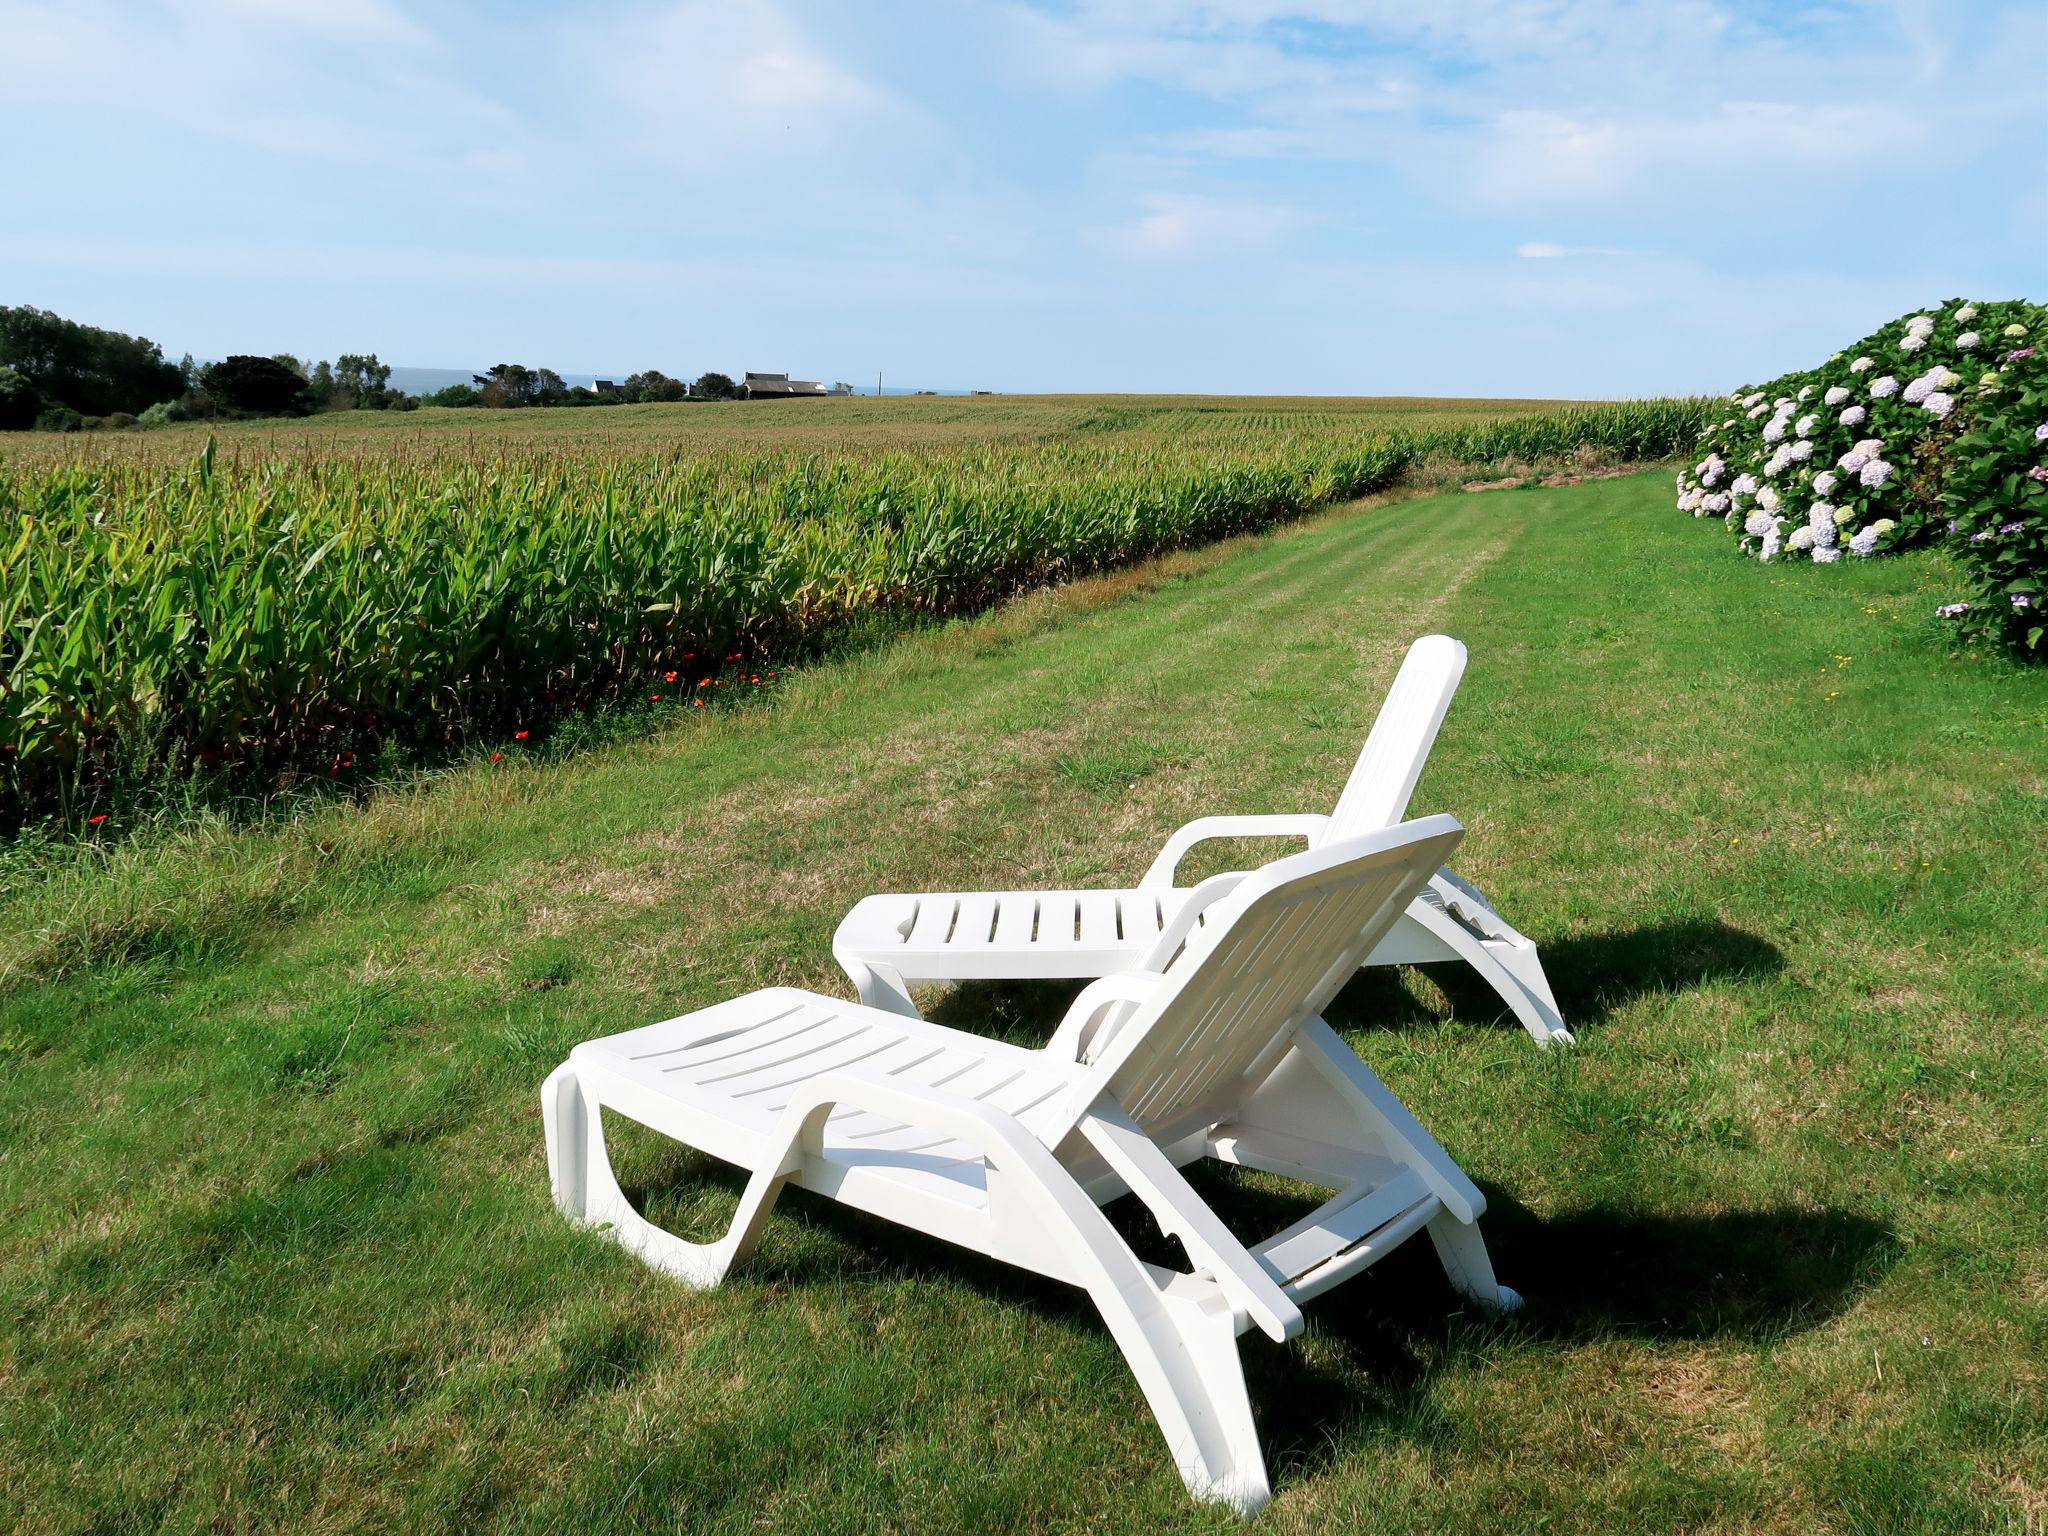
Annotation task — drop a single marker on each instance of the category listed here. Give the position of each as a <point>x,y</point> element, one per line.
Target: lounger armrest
<point>998,1136</point>
<point>1207,828</point>
<point>1175,933</point>
<point>1105,1002</point>
<point>1184,1214</point>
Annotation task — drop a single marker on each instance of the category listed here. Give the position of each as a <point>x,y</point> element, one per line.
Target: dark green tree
<point>320,392</point>
<point>507,386</point>
<point>19,402</point>
<point>714,386</point>
<point>361,377</point>
<point>256,386</point>
<point>653,385</point>
<point>82,367</point>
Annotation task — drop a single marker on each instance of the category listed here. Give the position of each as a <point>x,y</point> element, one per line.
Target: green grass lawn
<point>276,1250</point>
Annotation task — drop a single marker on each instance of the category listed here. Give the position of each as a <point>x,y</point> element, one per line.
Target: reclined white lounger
<point>1010,1151</point>
<point>889,941</point>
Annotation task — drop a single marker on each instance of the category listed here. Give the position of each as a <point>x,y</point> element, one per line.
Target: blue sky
<point>1275,196</point>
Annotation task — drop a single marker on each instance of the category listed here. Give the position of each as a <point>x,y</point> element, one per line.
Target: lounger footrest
<point>1342,1226</point>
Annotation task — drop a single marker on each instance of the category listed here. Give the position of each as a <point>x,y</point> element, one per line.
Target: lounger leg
<point>880,986</point>
<point>1470,1270</point>
<point>1180,1341</point>
<point>580,1171</point>
<point>1536,1011</point>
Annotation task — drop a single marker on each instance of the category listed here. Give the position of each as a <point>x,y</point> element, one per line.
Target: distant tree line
<point>58,375</point>
<point>511,385</point>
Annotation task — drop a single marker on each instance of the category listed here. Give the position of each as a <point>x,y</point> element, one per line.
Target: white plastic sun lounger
<point>889,941</point>
<point>1010,1151</point>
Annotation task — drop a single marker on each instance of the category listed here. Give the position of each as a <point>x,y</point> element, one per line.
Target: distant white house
<point>780,386</point>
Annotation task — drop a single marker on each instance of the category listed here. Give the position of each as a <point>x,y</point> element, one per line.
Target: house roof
<point>782,384</point>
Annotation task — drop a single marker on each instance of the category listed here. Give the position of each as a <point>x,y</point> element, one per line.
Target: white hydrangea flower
<point>1767,498</point>
<point>1918,390</point>
<point>1835,396</point>
<point>2015,330</point>
<point>1875,473</point>
<point>1717,503</point>
<point>1826,556</point>
<point>1968,340</point>
<point>1919,325</point>
<point>1864,543</point>
<point>1820,524</point>
<point>1755,399</point>
<point>1967,313</point>
<point>1946,378</point>
<point>1799,452</point>
<point>1824,481</point>
<point>1844,516</point>
<point>1772,542</point>
<point>1861,365</point>
<point>1881,388</point>
<point>1745,485</point>
<point>1802,539</point>
<point>1756,411</point>
<point>1805,425</point>
<point>1854,416</point>
<point>1939,404</point>
<point>1774,429</point>
<point>1884,524</point>
<point>1870,447</point>
<point>1852,461</point>
<point>1913,343</point>
<point>1757,524</point>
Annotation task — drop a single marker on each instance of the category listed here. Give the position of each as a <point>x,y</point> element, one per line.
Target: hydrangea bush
<point>1995,486</point>
<point>1920,431</point>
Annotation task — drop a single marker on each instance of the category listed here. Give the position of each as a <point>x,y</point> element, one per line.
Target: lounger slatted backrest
<point>1274,954</point>
<point>1397,748</point>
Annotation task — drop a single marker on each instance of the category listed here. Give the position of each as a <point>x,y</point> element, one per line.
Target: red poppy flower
<point>521,735</point>
<point>497,757</point>
<point>93,821</point>
<point>654,698</point>
<point>668,677</point>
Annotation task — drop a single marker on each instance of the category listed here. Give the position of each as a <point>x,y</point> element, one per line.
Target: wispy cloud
<point>1178,225</point>
<point>1544,250</point>
<point>1342,195</point>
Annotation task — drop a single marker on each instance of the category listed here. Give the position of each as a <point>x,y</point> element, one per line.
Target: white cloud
<point>1177,225</point>
<point>1501,106</point>
<point>331,80</point>
<point>703,83</point>
<point>1544,250</point>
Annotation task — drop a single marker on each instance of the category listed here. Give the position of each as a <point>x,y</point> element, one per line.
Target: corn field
<point>277,613</point>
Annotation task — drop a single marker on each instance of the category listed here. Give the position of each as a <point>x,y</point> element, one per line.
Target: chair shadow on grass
<point>1593,974</point>
<point>1365,1374</point>
<point>1598,1272</point>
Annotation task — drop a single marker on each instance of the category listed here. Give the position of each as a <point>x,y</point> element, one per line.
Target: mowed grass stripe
<point>276,1222</point>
